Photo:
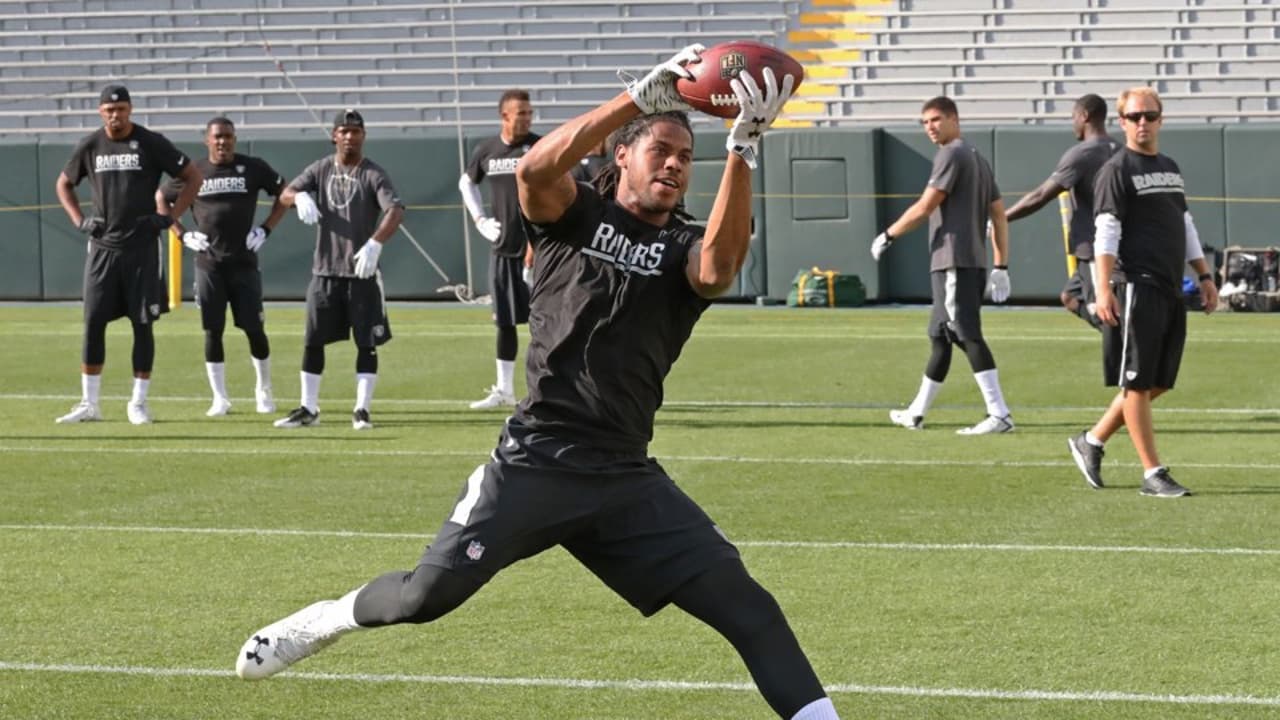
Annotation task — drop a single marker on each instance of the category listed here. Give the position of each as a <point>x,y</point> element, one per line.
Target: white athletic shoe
<point>219,407</point>
<point>360,420</point>
<point>266,403</point>
<point>285,642</point>
<point>495,399</point>
<point>906,419</point>
<point>138,413</point>
<point>84,411</point>
<point>989,425</point>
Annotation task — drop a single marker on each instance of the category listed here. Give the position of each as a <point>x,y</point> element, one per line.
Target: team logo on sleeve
<point>475,550</point>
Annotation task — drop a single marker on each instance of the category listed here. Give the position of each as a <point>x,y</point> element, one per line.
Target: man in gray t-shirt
<point>1074,173</point>
<point>960,200</point>
<point>356,209</point>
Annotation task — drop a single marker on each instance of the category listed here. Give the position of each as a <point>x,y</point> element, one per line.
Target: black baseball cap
<point>347,118</point>
<point>114,94</point>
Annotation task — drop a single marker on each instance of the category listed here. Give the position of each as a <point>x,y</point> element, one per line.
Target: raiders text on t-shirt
<point>124,175</point>
<point>610,313</point>
<point>496,160</point>
<point>225,206</point>
<point>1146,193</point>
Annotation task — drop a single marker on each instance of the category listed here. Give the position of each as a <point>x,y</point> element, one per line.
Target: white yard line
<point>460,403</point>
<point>768,544</point>
<point>479,455</point>
<point>664,685</point>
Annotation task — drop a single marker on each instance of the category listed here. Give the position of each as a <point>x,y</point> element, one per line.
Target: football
<point>709,90</point>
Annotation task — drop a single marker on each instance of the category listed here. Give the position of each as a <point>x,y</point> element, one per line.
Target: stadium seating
<point>407,65</point>
<point>1027,60</point>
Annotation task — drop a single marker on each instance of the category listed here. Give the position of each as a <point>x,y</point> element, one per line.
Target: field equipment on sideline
<point>826,288</point>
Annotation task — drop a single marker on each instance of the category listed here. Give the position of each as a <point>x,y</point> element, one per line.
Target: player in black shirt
<point>1144,237</point>
<point>497,159</point>
<point>620,280</point>
<point>227,243</point>
<point>122,273</point>
<point>1075,172</point>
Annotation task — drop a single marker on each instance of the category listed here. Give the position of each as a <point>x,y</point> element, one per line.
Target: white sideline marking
<point>765,404</point>
<point>480,331</point>
<point>778,544</point>
<point>664,685</point>
<point>477,454</point>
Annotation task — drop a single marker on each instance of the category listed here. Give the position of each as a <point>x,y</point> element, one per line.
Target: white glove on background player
<point>197,241</point>
<point>759,110</point>
<point>999,284</point>
<point>367,258</point>
<point>656,92</point>
<point>880,244</point>
<point>256,238</point>
<point>306,207</point>
<point>527,275</point>
<point>489,227</point>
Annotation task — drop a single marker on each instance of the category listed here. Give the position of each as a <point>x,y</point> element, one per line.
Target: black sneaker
<point>360,420</point>
<point>300,417</point>
<point>1162,484</point>
<point>1088,459</point>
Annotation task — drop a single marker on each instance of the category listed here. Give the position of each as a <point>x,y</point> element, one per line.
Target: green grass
<point>928,575</point>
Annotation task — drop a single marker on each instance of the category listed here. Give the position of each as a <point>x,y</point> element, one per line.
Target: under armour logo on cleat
<point>253,654</point>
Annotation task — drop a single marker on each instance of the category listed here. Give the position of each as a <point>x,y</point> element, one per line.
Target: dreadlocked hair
<point>606,181</point>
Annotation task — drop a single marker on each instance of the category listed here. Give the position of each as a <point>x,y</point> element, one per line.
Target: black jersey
<point>496,160</point>
<point>611,311</point>
<point>1075,172</point>
<point>1146,193</point>
<point>590,166</point>
<point>124,175</point>
<point>225,206</point>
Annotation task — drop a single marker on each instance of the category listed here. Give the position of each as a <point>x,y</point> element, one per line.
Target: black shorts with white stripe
<point>1145,350</point>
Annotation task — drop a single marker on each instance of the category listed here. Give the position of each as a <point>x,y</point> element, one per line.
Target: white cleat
<point>221,406</point>
<point>285,642</point>
<point>495,399</point>
<point>990,425</point>
<point>84,411</point>
<point>138,413</point>
<point>906,419</point>
<point>266,403</point>
<point>360,420</point>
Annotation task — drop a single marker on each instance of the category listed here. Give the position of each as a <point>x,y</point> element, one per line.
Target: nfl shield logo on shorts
<point>475,550</point>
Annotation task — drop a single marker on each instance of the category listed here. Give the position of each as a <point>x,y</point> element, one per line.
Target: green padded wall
<point>1025,157</point>
<point>62,246</point>
<point>1199,154</point>
<point>20,274</point>
<point>820,206</point>
<point>1251,154</point>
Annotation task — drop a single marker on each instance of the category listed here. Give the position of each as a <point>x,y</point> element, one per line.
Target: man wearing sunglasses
<point>1143,235</point>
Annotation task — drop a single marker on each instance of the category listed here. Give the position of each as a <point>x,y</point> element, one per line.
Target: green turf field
<point>927,575</point>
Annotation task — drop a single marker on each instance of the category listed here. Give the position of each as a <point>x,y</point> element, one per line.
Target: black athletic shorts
<point>1080,284</point>
<point>237,285</point>
<point>1145,350</point>
<point>124,283</point>
<point>957,303</point>
<point>339,307</point>
<point>509,292</point>
<point>620,515</point>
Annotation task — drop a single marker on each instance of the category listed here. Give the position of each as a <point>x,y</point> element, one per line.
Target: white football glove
<point>197,241</point>
<point>656,92</point>
<point>758,111</point>
<point>256,238</point>
<point>999,285</point>
<point>367,258</point>
<point>527,275</point>
<point>308,213</point>
<point>880,244</point>
<point>489,227</point>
